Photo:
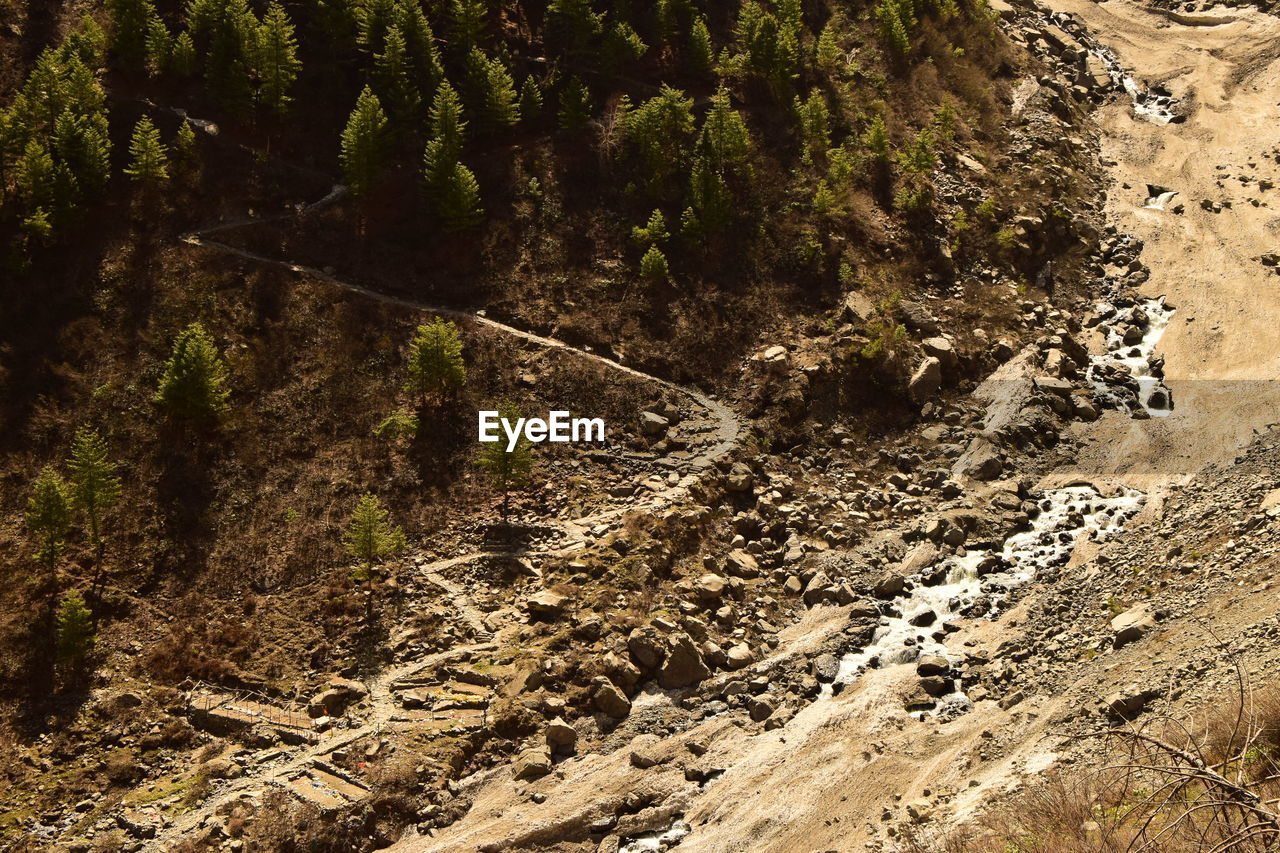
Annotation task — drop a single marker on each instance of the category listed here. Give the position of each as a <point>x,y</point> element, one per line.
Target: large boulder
<point>684,666</point>
<point>547,605</point>
<point>532,763</point>
<point>646,647</point>
<point>926,380</point>
<point>890,585</point>
<point>1132,625</point>
<point>610,700</point>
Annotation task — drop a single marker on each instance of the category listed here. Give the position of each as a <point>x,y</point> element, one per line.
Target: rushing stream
<point>978,582</point>
<point>1146,322</point>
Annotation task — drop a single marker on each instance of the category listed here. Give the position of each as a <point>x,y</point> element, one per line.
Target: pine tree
<point>95,488</point>
<point>507,470</point>
<point>815,123</point>
<point>277,59</point>
<point>435,360</point>
<point>182,60</point>
<point>194,383</point>
<point>84,148</point>
<point>34,175</point>
<point>392,73</point>
<point>876,141</point>
<point>230,30</point>
<point>572,27</point>
<point>184,144</point>
<point>373,17</point>
<point>622,45</point>
<point>89,42</point>
<point>448,126</point>
<point>364,143</point>
<point>49,516</point>
<point>159,46</point>
<point>129,29</point>
<point>420,45</point>
<point>370,535</point>
<point>828,49</point>
<point>149,159</point>
<point>897,20</point>
<point>721,162</point>
<point>530,100</point>
<point>74,630</point>
<point>653,266</point>
<point>652,232</point>
<point>700,55</point>
<point>452,187</point>
<point>491,91</point>
<point>466,22</point>
<point>575,105</point>
<point>659,131</point>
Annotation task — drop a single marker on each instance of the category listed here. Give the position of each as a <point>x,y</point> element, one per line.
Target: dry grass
<point>1207,783</point>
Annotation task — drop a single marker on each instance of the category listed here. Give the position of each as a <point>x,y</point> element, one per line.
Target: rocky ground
<point>849,641</point>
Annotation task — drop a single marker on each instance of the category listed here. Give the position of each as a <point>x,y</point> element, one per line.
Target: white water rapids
<point>1136,358</point>
<point>1066,515</point>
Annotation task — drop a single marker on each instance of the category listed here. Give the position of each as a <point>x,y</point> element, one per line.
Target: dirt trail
<point>382,702</point>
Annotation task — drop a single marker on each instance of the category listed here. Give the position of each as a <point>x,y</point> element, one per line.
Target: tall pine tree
<point>277,60</point>
<point>148,157</point>
<point>364,152</point>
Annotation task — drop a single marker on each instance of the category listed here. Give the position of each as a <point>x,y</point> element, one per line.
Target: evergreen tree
<point>129,29</point>
<point>467,22</point>
<point>435,360</point>
<point>420,45</point>
<point>95,488</point>
<point>159,46</point>
<point>370,536</point>
<point>621,46</point>
<point>74,630</point>
<point>453,188</point>
<point>230,30</point>
<point>659,131</point>
<point>572,28</point>
<point>828,49</point>
<point>876,141</point>
<point>194,383</point>
<point>184,144</point>
<point>85,149</point>
<point>149,159</point>
<point>89,43</point>
<point>392,73</point>
<point>897,20</point>
<point>363,152</point>
<point>49,516</point>
<point>507,470</point>
<point>448,126</point>
<point>700,55</point>
<point>721,162</point>
<point>35,176</point>
<point>182,60</point>
<point>815,123</point>
<point>372,19</point>
<point>575,105</point>
<point>277,59</point>
<point>653,266</point>
<point>530,99</point>
<point>652,232</point>
<point>493,92</point>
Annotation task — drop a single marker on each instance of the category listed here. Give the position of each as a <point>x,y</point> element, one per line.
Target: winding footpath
<point>382,701</point>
